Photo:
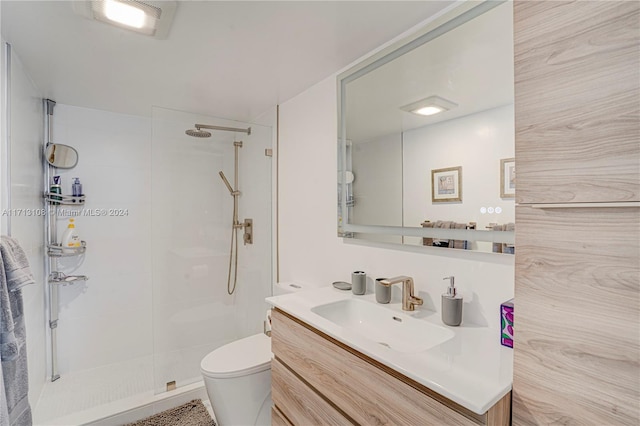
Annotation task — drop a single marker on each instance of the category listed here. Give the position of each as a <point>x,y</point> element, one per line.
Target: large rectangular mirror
<point>426,136</point>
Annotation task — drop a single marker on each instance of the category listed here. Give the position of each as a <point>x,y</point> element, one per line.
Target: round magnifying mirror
<point>61,156</point>
<point>348,177</point>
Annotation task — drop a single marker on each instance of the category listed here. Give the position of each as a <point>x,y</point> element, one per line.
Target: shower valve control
<point>248,231</point>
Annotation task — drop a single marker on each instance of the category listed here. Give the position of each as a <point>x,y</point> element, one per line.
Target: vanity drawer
<point>277,419</point>
<point>298,402</point>
<point>365,390</point>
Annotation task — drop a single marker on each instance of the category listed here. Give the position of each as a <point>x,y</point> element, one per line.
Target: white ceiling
<point>231,59</point>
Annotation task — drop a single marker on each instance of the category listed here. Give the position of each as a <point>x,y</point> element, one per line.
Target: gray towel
<point>497,247</point>
<point>14,274</point>
<point>16,265</point>
<point>444,225</point>
<point>4,410</point>
<point>427,241</point>
<point>509,248</point>
<point>459,244</point>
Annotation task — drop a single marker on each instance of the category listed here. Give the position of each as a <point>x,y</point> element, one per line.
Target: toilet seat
<point>240,358</point>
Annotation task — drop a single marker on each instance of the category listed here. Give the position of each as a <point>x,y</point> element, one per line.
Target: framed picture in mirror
<point>508,178</point>
<point>446,185</point>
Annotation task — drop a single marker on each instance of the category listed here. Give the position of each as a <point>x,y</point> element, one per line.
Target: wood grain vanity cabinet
<point>577,70</point>
<point>319,381</point>
<point>577,259</point>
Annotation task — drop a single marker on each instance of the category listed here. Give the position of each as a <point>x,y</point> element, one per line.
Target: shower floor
<point>84,397</point>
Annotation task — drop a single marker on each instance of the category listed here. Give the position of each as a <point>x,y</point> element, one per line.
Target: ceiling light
<point>428,110</point>
<point>123,13</point>
<point>152,18</point>
<point>429,106</point>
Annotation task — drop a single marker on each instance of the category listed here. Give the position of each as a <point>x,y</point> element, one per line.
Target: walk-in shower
<point>156,223</point>
<point>247,224</point>
<point>195,265</point>
<point>131,333</point>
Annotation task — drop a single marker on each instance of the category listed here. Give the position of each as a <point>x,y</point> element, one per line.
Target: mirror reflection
<point>430,136</point>
<point>61,156</point>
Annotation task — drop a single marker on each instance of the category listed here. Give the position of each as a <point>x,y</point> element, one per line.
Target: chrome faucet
<point>409,301</point>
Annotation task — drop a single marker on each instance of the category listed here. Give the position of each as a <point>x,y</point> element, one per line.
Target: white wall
<point>476,142</point>
<point>377,187</point>
<point>309,248</point>
<point>108,318</point>
<point>26,193</point>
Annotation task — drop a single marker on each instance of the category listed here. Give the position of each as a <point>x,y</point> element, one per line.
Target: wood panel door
<point>577,347</point>
<point>577,101</point>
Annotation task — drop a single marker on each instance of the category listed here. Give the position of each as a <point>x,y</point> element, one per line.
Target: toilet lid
<point>242,357</point>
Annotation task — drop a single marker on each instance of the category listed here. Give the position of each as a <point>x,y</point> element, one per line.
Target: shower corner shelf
<point>60,278</point>
<point>64,200</point>
<point>56,250</point>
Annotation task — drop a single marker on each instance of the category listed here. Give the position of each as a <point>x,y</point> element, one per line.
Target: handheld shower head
<point>226,182</point>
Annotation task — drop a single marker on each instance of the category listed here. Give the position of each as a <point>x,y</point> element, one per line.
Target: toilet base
<point>241,400</point>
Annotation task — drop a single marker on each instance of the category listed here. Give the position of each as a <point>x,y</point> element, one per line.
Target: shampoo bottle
<point>70,238</point>
<point>451,305</point>
<point>55,188</point>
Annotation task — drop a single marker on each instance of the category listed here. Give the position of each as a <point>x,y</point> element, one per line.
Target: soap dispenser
<point>76,188</point>
<point>451,304</point>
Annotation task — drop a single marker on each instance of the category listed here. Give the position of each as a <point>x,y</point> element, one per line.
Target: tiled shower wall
<point>107,319</point>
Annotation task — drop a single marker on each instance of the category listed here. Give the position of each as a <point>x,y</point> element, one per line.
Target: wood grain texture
<point>365,393</point>
<point>500,413</point>
<point>277,419</point>
<point>298,402</point>
<point>577,101</point>
<point>577,315</point>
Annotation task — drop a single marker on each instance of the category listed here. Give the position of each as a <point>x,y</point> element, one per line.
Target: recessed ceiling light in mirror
<point>429,106</point>
<point>430,110</point>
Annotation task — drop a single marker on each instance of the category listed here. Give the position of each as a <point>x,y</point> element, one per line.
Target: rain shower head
<point>197,133</point>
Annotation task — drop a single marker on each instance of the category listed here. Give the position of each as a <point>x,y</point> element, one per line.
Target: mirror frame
<point>450,18</point>
<point>46,155</point>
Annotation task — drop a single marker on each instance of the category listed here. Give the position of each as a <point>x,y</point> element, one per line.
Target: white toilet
<point>238,381</point>
<point>238,376</point>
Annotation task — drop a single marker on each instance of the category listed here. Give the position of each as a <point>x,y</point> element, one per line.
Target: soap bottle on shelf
<point>70,239</point>
<point>451,304</point>
<point>55,188</point>
<point>76,188</point>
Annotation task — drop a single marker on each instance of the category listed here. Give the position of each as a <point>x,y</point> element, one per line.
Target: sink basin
<point>393,330</point>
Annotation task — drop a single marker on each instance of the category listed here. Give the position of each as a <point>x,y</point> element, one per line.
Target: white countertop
<point>471,369</point>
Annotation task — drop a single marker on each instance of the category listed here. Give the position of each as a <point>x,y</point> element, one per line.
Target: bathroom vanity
<point>323,373</point>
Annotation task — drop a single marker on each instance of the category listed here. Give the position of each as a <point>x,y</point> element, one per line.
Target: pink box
<point>506,321</point>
